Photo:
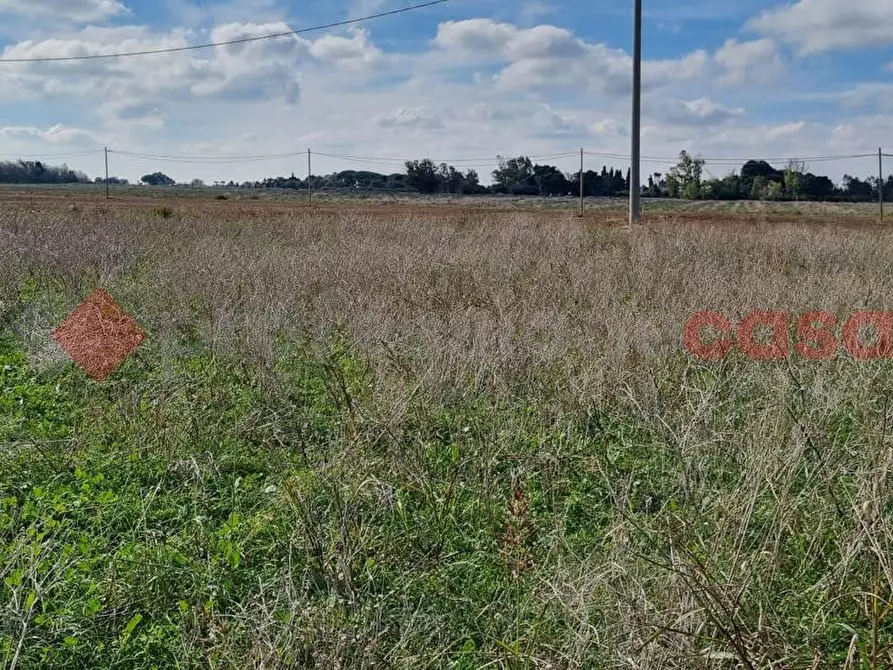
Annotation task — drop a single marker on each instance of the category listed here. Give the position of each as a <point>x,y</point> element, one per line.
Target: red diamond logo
<point>99,335</point>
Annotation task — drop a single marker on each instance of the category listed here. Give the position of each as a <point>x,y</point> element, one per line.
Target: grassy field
<point>387,436</point>
<point>136,195</point>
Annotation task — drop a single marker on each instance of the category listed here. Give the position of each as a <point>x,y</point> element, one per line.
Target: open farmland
<point>433,435</point>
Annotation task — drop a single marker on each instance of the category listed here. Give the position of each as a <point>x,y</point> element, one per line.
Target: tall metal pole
<point>880,181</point>
<point>106,173</point>
<point>581,182</point>
<point>635,169</point>
<point>309,186</point>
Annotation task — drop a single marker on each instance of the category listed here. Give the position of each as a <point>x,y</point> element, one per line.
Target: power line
<point>381,160</point>
<point>733,160</point>
<point>240,40</point>
<point>77,154</point>
<point>457,161</point>
<point>206,159</point>
<point>395,161</point>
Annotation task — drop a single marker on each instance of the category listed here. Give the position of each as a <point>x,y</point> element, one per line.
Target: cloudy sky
<point>468,79</point>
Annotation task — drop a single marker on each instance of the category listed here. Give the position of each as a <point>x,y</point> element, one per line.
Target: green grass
<point>154,522</point>
<point>145,516</point>
<point>419,466</point>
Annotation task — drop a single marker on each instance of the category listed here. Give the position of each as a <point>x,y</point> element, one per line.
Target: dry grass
<point>514,393</point>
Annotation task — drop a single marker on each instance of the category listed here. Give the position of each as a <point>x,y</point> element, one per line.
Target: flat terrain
<point>437,434</point>
<point>228,201</point>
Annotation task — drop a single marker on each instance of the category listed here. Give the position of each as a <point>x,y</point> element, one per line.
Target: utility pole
<point>106,173</point>
<point>309,186</point>
<point>880,181</point>
<point>635,166</point>
<point>581,183</point>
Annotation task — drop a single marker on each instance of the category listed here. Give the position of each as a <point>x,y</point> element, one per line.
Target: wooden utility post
<point>309,172</point>
<point>635,159</point>
<point>880,181</point>
<point>106,173</point>
<point>581,183</point>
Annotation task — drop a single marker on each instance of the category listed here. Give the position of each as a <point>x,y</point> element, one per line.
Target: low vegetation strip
<point>471,440</point>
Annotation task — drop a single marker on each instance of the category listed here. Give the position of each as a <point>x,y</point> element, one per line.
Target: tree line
<point>36,172</point>
<point>758,180</point>
<point>519,176</point>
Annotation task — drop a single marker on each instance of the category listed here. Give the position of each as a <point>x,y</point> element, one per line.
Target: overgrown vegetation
<point>471,440</point>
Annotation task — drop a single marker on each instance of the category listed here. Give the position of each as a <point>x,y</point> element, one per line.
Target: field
<point>439,435</point>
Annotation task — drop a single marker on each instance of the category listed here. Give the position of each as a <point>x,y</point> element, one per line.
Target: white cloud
<point>481,38</point>
<point>55,135</point>
<point>259,70</point>
<point>610,128</point>
<point>355,51</point>
<point>702,111</point>
<point>548,57</point>
<point>814,26</point>
<point>755,62</point>
<point>786,130</point>
<point>691,66</point>
<point>864,95</point>
<point>410,117</point>
<point>70,10</point>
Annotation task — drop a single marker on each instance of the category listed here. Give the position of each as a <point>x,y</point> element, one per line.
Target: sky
<point>460,82</point>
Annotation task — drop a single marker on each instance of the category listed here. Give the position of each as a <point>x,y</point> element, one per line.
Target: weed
<point>377,437</point>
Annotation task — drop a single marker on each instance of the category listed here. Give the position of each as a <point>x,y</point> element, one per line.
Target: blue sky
<point>462,81</point>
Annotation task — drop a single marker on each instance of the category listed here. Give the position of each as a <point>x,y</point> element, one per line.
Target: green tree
<point>422,176</point>
<point>758,187</point>
<point>514,175</point>
<point>774,191</point>
<point>551,181</point>
<point>157,179</point>
<point>753,169</point>
<point>793,178</point>
<point>684,180</point>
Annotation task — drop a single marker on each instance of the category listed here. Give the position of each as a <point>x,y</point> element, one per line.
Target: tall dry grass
<point>747,520</point>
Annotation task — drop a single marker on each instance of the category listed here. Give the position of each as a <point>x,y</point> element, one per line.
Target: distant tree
<point>197,183</point>
<point>396,182</point>
<point>421,176</point>
<point>473,183</point>
<point>857,190</point>
<point>758,187</point>
<point>758,168</point>
<point>684,180</point>
<point>515,175</point>
<point>793,178</point>
<point>449,179</point>
<point>727,188</point>
<point>774,191</point>
<point>35,172</point>
<point>157,179</point>
<point>550,180</point>
<point>815,187</point>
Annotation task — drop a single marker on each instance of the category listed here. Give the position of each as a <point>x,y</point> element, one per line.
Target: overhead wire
<point>221,43</point>
<point>77,154</point>
<point>733,160</point>
<point>207,159</point>
<point>379,160</point>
